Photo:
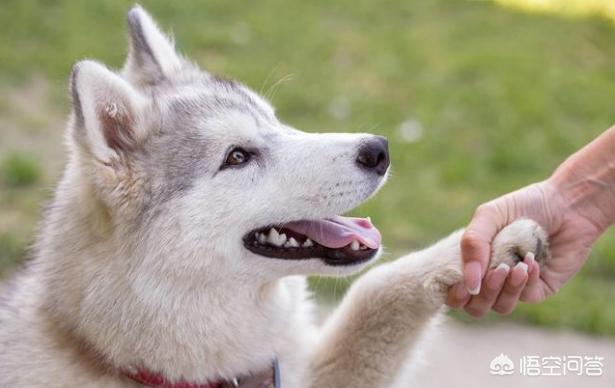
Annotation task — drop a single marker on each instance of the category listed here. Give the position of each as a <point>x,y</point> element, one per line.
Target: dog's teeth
<point>308,243</point>
<point>354,245</point>
<point>291,243</point>
<point>274,237</point>
<point>262,238</point>
<point>282,239</point>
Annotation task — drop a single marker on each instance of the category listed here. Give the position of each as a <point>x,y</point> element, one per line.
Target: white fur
<point>164,58</point>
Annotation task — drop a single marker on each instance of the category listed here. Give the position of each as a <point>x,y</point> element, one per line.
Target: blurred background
<point>477,98</point>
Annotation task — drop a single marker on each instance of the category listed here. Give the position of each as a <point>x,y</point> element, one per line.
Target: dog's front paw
<point>517,240</point>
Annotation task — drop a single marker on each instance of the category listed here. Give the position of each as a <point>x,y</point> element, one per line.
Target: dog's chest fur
<point>196,342</point>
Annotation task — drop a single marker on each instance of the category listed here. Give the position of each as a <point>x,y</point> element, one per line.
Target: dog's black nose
<point>374,155</point>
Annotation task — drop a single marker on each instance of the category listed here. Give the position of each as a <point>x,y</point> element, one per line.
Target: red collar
<point>152,379</point>
<point>269,378</point>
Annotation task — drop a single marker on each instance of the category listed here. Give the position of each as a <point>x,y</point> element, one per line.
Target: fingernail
<point>475,290</point>
<point>529,258</point>
<point>474,271</point>
<point>522,265</point>
<point>517,277</point>
<point>503,266</point>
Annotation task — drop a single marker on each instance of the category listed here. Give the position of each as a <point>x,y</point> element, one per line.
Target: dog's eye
<point>236,157</point>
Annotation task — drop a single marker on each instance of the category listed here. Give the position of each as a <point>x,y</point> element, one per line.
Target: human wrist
<point>554,203</point>
<point>578,189</point>
<point>586,181</point>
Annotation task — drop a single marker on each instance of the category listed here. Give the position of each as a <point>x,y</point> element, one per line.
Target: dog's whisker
<point>268,77</point>
<point>274,88</point>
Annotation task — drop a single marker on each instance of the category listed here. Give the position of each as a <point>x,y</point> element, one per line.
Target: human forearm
<point>585,182</point>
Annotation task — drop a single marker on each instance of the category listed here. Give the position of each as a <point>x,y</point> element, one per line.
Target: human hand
<point>571,235</point>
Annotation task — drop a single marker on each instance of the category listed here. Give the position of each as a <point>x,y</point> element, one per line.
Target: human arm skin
<point>575,206</point>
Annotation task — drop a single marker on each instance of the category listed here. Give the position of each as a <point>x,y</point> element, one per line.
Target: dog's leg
<point>369,336</point>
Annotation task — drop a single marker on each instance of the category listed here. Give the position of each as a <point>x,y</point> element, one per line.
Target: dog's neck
<point>187,336</point>
<point>212,332</point>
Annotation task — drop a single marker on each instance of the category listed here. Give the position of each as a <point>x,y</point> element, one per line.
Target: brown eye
<point>236,157</point>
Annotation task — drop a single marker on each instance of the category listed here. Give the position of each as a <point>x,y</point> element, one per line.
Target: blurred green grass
<point>476,99</point>
<point>20,170</point>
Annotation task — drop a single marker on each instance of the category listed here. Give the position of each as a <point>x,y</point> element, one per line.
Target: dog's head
<point>198,172</point>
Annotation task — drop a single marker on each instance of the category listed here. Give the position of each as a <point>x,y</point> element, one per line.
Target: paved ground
<point>460,355</point>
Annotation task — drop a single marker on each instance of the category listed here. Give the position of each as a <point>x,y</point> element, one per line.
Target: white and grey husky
<point>175,251</point>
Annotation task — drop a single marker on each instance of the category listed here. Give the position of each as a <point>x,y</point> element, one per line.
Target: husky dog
<point>175,251</point>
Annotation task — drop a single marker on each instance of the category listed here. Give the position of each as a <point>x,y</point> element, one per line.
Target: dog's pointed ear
<point>107,112</point>
<point>152,56</point>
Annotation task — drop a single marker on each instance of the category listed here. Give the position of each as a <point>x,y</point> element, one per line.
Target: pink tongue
<point>338,231</point>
